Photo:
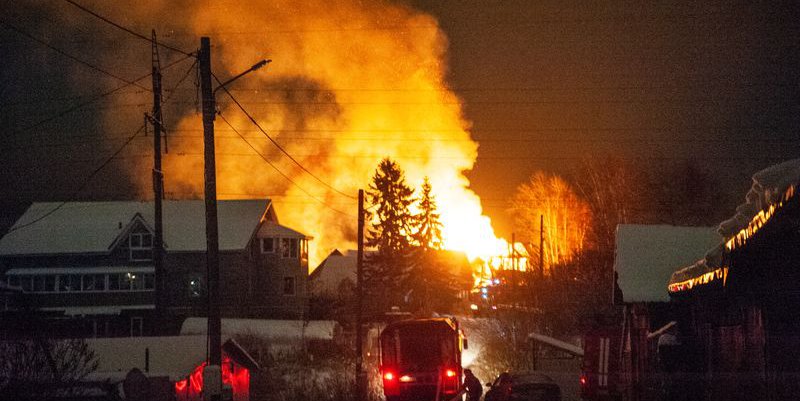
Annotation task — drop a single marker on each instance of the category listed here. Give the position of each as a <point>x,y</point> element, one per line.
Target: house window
<point>63,283</point>
<point>26,282</point>
<point>134,281</point>
<point>268,245</point>
<point>137,326</point>
<point>141,246</point>
<point>288,286</point>
<point>149,281</point>
<point>195,286</point>
<point>114,282</point>
<point>13,281</point>
<point>289,247</point>
<point>303,250</point>
<point>43,283</point>
<point>94,282</point>
<point>69,283</point>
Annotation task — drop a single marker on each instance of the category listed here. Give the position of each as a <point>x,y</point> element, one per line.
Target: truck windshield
<point>419,348</point>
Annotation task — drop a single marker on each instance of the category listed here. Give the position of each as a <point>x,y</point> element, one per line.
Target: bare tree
<point>566,218</point>
<point>33,368</point>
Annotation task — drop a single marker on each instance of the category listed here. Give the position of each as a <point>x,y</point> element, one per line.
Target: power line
<point>128,30</point>
<point>739,86</point>
<point>90,101</point>
<point>70,56</point>
<point>253,120</point>
<point>80,188</point>
<point>279,171</point>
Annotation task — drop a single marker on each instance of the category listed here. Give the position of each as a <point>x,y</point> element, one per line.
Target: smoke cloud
<point>351,82</point>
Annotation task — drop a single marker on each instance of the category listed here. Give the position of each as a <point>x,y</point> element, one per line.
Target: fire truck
<point>421,359</point>
<point>600,371</point>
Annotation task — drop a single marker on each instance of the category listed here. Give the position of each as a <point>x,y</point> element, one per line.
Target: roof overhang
<point>33,271</point>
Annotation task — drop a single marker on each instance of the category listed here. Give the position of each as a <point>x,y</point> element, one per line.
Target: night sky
<point>547,83</point>
<point>544,84</point>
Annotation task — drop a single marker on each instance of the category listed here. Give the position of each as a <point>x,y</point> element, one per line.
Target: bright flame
<point>348,86</point>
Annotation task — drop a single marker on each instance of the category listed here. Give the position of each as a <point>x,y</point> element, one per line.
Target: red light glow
<point>450,373</point>
<point>181,385</point>
<point>389,376</point>
<point>583,380</point>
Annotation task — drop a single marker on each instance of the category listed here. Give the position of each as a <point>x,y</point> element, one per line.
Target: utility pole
<point>360,300</point>
<point>212,374</point>
<point>541,247</point>
<point>158,187</point>
<point>212,233</point>
<point>514,278</point>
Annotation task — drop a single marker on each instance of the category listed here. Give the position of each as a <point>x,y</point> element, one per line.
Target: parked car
<point>523,387</point>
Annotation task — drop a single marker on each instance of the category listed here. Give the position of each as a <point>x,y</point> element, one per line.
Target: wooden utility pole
<point>360,382</point>
<point>541,247</point>
<point>158,187</point>
<point>212,234</point>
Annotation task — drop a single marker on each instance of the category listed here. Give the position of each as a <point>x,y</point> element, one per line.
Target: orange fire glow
<point>350,84</point>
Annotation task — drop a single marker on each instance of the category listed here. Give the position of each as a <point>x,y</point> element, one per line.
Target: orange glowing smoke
<point>351,82</point>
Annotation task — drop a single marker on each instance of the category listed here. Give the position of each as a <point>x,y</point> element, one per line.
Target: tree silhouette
<point>387,269</point>
<point>428,228</point>
<point>567,218</point>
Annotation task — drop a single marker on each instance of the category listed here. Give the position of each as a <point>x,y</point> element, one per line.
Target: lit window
<point>134,282</point>
<point>196,286</point>
<point>141,246</point>
<point>267,245</point>
<point>288,286</point>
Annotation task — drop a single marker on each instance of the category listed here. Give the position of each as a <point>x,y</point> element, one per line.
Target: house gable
<point>135,241</point>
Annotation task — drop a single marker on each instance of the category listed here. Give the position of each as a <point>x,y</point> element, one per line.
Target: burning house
<point>88,267</point>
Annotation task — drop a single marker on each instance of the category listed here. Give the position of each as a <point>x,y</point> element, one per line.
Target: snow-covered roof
<point>556,343</point>
<point>92,227</point>
<point>335,269</point>
<point>174,357</point>
<point>772,187</point>
<point>274,230</point>
<point>647,255</point>
<point>268,329</point>
<point>96,310</point>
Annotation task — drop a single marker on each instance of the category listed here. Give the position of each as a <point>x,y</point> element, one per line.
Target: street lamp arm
<point>249,70</point>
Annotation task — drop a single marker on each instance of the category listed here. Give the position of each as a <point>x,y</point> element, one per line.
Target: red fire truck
<point>421,359</point>
<point>600,373</point>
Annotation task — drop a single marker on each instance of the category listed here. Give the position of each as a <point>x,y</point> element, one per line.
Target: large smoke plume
<point>351,82</point>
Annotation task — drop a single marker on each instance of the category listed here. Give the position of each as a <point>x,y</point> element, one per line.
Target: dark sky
<point>544,83</point>
<point>548,82</point>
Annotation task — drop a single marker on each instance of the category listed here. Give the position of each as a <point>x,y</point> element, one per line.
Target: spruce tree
<point>428,228</point>
<point>388,268</point>
<point>431,282</point>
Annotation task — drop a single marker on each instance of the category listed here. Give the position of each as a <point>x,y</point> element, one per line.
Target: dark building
<point>87,267</point>
<point>740,311</point>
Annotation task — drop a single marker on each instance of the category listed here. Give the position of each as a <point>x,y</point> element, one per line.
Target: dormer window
<point>141,246</point>
<point>289,247</point>
<point>268,245</point>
